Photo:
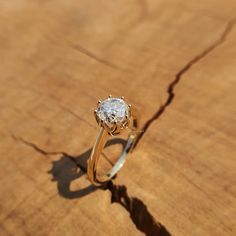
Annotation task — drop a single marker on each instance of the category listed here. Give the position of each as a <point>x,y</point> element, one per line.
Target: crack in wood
<point>48,153</point>
<point>139,214</point>
<point>93,56</point>
<point>179,75</point>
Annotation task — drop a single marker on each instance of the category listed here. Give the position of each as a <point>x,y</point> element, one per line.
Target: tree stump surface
<point>174,60</point>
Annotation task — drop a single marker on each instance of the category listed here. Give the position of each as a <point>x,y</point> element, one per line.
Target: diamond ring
<point>114,116</point>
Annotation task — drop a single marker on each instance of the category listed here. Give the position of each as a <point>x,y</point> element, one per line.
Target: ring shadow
<point>68,169</point>
<point>64,171</point>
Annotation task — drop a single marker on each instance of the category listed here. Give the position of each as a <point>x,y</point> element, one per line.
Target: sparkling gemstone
<point>113,110</point>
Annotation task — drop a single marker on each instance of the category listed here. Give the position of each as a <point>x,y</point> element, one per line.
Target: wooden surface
<point>174,60</point>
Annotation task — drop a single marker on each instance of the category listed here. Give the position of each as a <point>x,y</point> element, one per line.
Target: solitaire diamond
<point>113,110</point>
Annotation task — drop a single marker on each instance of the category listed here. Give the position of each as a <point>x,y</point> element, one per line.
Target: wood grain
<point>174,60</point>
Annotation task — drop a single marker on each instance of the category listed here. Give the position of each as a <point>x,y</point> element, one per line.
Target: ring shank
<point>97,150</point>
<point>120,162</point>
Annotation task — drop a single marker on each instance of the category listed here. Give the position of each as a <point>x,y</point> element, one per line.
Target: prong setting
<point>113,114</point>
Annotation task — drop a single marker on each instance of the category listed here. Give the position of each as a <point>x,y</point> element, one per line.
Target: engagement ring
<point>114,116</point>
